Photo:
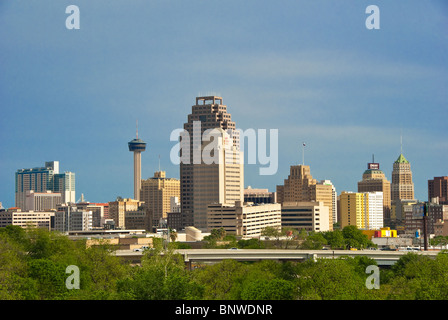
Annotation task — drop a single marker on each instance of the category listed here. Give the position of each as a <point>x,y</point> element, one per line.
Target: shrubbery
<point>33,266</point>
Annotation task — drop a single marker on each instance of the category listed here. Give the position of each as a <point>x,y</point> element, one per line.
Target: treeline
<point>350,237</point>
<point>33,266</point>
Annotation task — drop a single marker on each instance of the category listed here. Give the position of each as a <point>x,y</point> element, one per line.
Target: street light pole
<point>425,227</point>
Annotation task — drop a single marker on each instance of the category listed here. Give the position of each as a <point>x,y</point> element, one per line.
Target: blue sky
<point>310,69</point>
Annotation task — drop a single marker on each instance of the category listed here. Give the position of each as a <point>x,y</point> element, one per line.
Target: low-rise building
<point>243,219</point>
<point>308,215</point>
<point>26,219</point>
<point>68,217</point>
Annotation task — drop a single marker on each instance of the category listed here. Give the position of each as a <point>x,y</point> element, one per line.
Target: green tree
<point>49,278</point>
<point>329,279</point>
<point>335,239</point>
<point>222,281</point>
<point>269,289</point>
<point>272,232</point>
<point>252,243</point>
<point>314,241</point>
<point>354,238</point>
<point>162,276</point>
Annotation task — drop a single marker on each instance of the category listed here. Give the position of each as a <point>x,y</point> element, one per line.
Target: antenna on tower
<point>136,128</point>
<point>401,142</point>
<point>373,158</point>
<point>159,162</point>
<point>303,153</point>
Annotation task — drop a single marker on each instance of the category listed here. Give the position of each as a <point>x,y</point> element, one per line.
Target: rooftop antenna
<point>303,153</point>
<point>373,158</point>
<point>401,142</point>
<point>159,162</point>
<point>136,128</point>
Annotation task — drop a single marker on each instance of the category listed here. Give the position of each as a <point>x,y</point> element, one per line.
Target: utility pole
<point>425,226</point>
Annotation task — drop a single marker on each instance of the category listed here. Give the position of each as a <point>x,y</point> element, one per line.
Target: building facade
<point>374,180</point>
<point>119,208</point>
<point>43,179</point>
<point>27,219</point>
<point>361,209</point>
<point>310,215</point>
<point>209,112</point>
<point>438,188</point>
<point>218,181</point>
<point>402,187</point>
<point>259,195</point>
<point>156,193</point>
<point>69,217</point>
<point>301,187</point>
<point>246,220</point>
<point>42,201</point>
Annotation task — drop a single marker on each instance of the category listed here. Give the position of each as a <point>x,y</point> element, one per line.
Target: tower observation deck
<point>137,146</point>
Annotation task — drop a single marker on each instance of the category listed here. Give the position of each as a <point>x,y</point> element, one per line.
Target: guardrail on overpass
<point>383,258</point>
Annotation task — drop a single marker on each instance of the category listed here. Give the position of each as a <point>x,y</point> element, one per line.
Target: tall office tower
<point>334,199</point>
<point>44,179</point>
<point>402,186</point>
<point>373,179</point>
<point>64,183</point>
<point>221,181</point>
<point>362,209</point>
<point>208,113</point>
<point>438,188</point>
<point>301,187</point>
<point>156,192</point>
<point>137,146</point>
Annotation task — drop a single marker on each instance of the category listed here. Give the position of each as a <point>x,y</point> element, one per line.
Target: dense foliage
<point>33,266</point>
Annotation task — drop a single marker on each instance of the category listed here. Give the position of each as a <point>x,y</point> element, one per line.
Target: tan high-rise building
<point>402,186</point>
<point>373,179</point>
<point>118,209</point>
<point>209,112</point>
<point>218,182</point>
<point>156,192</point>
<point>301,187</point>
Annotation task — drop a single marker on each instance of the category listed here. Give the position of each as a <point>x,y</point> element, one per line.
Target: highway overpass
<point>192,256</point>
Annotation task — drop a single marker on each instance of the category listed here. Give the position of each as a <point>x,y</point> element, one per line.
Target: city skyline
<point>311,70</point>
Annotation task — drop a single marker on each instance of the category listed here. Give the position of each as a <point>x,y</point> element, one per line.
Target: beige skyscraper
<point>402,185</point>
<point>373,179</point>
<point>156,192</point>
<point>209,112</point>
<point>301,187</point>
<point>219,182</point>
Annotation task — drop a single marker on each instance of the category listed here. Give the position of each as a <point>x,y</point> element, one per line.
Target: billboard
<point>373,166</point>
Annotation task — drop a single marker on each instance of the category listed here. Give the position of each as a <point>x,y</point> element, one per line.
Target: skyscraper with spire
<point>137,146</point>
<point>402,186</point>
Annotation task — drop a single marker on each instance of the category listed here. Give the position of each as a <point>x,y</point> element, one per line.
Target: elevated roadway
<point>191,256</point>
